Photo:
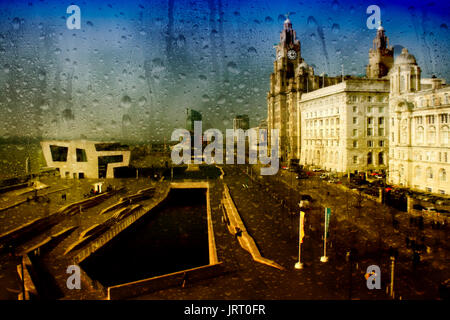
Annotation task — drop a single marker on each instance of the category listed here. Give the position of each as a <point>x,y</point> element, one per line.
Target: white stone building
<point>419,125</point>
<point>344,126</point>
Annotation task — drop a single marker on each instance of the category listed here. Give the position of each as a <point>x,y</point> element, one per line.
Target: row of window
<point>370,109</point>
<point>370,143</point>
<point>370,158</point>
<point>326,143</point>
<point>429,174</point>
<point>370,132</point>
<point>316,123</point>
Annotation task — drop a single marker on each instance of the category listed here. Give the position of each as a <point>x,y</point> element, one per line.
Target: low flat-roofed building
<point>85,159</point>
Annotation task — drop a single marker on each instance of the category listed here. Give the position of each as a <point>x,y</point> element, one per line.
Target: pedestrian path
<point>237,227</point>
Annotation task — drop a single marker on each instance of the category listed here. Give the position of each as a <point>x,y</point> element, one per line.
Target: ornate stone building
<point>419,121</point>
<point>336,123</point>
<point>390,120</point>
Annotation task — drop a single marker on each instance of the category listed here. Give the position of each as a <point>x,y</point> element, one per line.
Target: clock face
<point>291,54</point>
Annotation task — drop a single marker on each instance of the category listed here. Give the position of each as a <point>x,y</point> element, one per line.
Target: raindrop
<point>205,98</point>
<point>126,120</point>
<point>335,28</point>
<point>68,114</point>
<point>41,75</point>
<point>281,18</point>
<point>16,23</point>
<point>44,106</point>
<point>268,19</point>
<point>232,67</point>
<point>57,51</point>
<point>313,36</point>
<point>221,100</point>
<point>142,101</point>
<point>202,77</point>
<point>181,41</point>
<point>125,102</point>
<point>444,26</point>
<point>335,5</point>
<point>90,24</point>
<point>6,68</point>
<point>311,21</point>
<point>252,50</point>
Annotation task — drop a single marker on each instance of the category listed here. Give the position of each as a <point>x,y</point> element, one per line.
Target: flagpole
<point>324,258</point>
<point>299,264</point>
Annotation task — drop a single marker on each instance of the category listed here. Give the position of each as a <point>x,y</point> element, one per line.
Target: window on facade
<point>369,109</point>
<point>355,109</point>
<point>380,109</point>
<point>81,155</point>
<point>369,158</point>
<point>355,144</point>
<point>369,132</point>
<point>381,143</point>
<point>418,120</point>
<point>444,135</point>
<point>369,143</point>
<point>445,157</point>
<point>443,118</point>
<point>417,172</point>
<point>355,120</point>
<point>355,159</point>
<point>431,135</point>
<point>380,158</point>
<point>337,121</point>
<point>442,175</point>
<point>429,173</point>
<point>381,132</point>
<point>369,98</point>
<point>59,153</point>
<point>369,120</point>
<point>381,120</point>
<point>430,119</point>
<point>419,135</point>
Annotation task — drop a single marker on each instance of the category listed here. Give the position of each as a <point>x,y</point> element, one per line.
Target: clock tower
<point>283,92</point>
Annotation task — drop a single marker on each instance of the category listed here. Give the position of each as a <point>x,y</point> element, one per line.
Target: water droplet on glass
<point>16,23</point>
<point>125,102</point>
<point>252,50</point>
<point>232,67</point>
<point>444,26</point>
<point>311,21</point>
<point>268,19</point>
<point>90,24</point>
<point>221,100</point>
<point>335,28</point>
<point>335,5</point>
<point>126,120</point>
<point>142,101</point>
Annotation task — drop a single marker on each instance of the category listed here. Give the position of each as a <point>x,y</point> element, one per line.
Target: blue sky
<point>134,66</point>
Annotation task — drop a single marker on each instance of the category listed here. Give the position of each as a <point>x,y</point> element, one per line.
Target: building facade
<point>85,159</point>
<point>419,121</point>
<point>344,127</point>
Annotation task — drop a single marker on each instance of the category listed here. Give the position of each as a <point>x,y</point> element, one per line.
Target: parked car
<point>323,176</point>
<point>430,210</point>
<point>418,207</point>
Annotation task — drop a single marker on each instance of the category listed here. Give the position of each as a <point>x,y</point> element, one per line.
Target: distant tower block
<point>381,56</point>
